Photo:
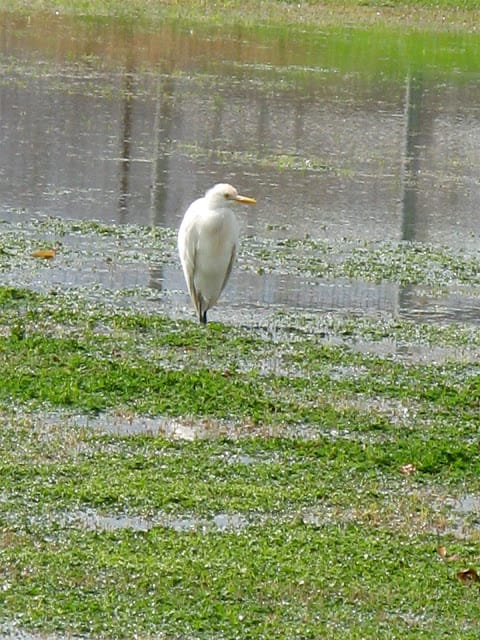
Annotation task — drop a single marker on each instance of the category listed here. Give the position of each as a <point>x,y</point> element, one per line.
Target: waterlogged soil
<point>307,465</point>
<point>133,264</point>
<point>134,439</point>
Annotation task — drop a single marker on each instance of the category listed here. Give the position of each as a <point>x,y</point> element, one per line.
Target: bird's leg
<point>203,317</point>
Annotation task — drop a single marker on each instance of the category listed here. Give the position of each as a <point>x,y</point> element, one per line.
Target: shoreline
<point>249,13</point>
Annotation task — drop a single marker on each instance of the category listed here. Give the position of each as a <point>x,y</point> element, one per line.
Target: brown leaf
<point>408,469</point>
<point>468,576</point>
<point>442,552</point>
<point>47,254</point>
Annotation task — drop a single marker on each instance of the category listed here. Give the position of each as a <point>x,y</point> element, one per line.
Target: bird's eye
<point>227,195</point>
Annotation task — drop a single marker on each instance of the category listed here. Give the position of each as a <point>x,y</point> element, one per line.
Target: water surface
<point>357,134</point>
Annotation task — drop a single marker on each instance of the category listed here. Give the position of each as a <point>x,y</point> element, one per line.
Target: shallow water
<point>339,134</point>
<point>91,520</point>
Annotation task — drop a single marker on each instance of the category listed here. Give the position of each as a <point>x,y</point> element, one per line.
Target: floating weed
<point>405,264</point>
<point>412,263</point>
<point>283,161</point>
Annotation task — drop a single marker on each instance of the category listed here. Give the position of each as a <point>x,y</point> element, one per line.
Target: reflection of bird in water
<point>207,243</point>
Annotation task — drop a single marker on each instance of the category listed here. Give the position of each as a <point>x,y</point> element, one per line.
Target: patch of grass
<point>331,524</point>
<point>406,263</point>
<point>431,13</point>
<point>94,372</point>
<point>146,475</point>
<point>281,162</point>
<point>236,584</point>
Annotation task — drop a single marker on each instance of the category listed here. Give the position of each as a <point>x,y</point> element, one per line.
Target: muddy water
<point>339,134</point>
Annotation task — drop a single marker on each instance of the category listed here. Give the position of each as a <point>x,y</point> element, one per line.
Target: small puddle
<point>417,353</point>
<point>468,504</point>
<point>463,515</point>
<point>175,429</point>
<point>243,458</point>
<point>91,520</point>
<point>430,518</point>
<point>111,279</point>
<point>10,631</point>
<point>197,429</point>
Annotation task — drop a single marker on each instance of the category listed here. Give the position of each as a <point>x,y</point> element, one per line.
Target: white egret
<point>208,243</point>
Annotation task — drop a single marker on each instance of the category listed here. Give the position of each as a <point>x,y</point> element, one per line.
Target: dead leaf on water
<point>469,576</point>
<point>46,254</point>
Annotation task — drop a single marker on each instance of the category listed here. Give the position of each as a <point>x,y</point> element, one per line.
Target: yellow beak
<point>245,200</point>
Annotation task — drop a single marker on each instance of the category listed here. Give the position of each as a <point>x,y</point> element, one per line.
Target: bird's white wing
<point>187,246</point>
<point>229,268</point>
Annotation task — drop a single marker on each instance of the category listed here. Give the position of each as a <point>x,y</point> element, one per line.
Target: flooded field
<point>307,464</point>
<point>341,135</point>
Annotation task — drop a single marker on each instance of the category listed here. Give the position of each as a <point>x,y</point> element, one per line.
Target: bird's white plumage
<point>208,243</point>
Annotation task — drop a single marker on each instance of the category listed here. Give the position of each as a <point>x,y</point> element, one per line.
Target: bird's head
<point>223,193</point>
